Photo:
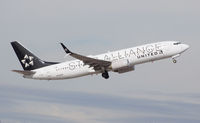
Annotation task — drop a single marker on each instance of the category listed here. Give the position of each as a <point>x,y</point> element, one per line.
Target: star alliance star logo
<point>27,61</point>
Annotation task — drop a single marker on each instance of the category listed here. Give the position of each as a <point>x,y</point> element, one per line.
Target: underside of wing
<point>92,62</point>
<point>24,72</point>
<point>97,64</point>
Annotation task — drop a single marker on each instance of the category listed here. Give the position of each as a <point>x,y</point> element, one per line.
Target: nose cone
<point>185,47</point>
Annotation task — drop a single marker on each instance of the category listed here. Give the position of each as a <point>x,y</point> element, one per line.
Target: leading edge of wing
<point>92,62</point>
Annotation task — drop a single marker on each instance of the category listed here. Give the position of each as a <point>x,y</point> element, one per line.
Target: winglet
<point>65,48</point>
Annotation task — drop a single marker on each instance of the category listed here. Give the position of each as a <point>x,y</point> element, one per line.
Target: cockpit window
<point>177,43</point>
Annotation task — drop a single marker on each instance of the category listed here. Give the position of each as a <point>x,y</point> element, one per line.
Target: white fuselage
<point>134,55</point>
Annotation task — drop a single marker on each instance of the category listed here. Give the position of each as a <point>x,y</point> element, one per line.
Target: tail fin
<point>27,59</point>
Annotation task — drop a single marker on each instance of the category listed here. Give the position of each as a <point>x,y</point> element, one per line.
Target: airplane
<point>120,61</point>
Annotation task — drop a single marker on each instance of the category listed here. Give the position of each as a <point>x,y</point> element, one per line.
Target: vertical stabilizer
<point>27,59</point>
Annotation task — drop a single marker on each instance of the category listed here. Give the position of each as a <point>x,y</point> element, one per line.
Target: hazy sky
<point>161,92</point>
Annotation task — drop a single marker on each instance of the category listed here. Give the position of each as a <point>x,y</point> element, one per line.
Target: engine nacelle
<point>122,66</point>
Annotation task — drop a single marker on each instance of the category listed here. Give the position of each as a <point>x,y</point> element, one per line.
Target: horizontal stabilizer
<point>24,72</point>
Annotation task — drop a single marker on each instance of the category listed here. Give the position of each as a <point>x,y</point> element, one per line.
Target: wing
<point>92,62</point>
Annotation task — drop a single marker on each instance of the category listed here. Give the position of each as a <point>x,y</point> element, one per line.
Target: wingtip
<point>13,42</point>
<point>65,48</point>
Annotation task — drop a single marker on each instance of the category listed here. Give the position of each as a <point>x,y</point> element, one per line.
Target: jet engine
<point>122,66</point>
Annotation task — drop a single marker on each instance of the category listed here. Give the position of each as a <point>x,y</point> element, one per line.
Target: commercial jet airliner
<point>120,61</point>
